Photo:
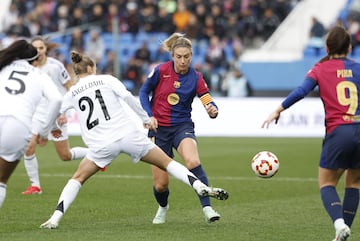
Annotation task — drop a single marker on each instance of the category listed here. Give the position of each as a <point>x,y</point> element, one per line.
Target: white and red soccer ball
<point>265,164</point>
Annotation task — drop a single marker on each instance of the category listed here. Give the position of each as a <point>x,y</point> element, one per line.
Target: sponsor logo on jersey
<point>173,99</point>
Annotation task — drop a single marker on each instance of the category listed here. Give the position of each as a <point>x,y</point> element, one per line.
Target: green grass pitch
<point>118,205</point>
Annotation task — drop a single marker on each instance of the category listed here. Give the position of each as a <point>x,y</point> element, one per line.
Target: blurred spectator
<point>10,16</point>
<point>193,28</point>
<point>35,25</point>
<point>77,17</point>
<point>133,76</point>
<point>216,59</point>
<point>219,20</point>
<point>181,17</point>
<point>206,71</point>
<point>97,17</point>
<point>143,55</point>
<point>62,18</point>
<point>235,84</point>
<point>317,33</point>
<point>19,28</point>
<point>114,15</point>
<point>237,48</point>
<point>268,24</point>
<point>354,30</point>
<point>108,66</point>
<point>200,11</point>
<point>148,18</point>
<point>95,46</point>
<point>168,5</point>
<point>164,22</point>
<point>77,41</point>
<point>40,20</point>
<point>215,54</point>
<point>209,28</point>
<point>232,27</point>
<point>24,6</point>
<point>282,8</point>
<point>248,27</point>
<point>132,18</point>
<point>85,5</point>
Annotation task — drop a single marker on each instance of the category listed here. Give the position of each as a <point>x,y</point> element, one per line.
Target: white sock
<point>180,172</point>
<point>2,193</point>
<point>32,169</point>
<point>78,152</point>
<point>339,223</point>
<point>69,193</point>
<point>67,196</point>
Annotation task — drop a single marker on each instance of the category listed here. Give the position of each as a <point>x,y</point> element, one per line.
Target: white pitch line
<point>231,178</point>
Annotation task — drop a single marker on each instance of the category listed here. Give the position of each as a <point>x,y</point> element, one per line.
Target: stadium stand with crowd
<point>124,36</point>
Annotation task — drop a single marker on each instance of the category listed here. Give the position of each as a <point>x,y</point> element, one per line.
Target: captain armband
<point>206,99</point>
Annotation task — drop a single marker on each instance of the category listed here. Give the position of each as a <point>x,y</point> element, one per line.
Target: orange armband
<point>206,99</point>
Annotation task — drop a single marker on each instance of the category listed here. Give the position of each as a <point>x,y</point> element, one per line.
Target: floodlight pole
<point>116,42</point>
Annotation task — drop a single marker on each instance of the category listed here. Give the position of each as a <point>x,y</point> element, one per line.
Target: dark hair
<point>81,62</point>
<point>338,42</point>
<point>19,49</point>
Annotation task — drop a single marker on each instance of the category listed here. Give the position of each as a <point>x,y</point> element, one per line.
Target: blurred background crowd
<point>219,29</point>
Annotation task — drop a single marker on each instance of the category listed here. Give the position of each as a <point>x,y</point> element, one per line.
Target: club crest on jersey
<point>173,99</point>
<point>177,84</point>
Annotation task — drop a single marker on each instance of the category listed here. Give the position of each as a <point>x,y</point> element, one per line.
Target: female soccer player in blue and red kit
<point>338,79</point>
<point>173,86</point>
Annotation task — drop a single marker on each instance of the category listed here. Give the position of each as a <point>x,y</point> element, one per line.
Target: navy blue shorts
<point>168,138</point>
<point>341,148</point>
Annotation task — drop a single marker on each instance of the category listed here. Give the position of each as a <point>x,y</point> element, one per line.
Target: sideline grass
<point>118,205</point>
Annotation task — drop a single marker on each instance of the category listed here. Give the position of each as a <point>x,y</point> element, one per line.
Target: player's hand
<point>61,120</point>
<point>211,110</point>
<point>56,133</point>
<point>153,125</point>
<point>273,116</point>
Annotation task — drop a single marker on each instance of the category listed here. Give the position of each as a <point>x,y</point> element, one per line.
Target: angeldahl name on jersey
<point>86,86</point>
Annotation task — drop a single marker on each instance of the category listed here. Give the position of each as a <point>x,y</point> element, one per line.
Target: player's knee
<point>161,187</point>
<point>192,163</point>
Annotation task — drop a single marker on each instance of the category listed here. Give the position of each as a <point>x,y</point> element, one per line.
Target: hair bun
<point>75,57</point>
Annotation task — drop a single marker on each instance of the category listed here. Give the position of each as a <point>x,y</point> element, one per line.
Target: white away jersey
<point>103,119</point>
<point>21,88</point>
<point>57,72</point>
<point>59,76</point>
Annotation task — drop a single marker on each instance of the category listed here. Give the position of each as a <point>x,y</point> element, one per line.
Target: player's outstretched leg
<point>182,173</point>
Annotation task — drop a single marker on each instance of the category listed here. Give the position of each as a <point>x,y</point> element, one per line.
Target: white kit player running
<point>21,88</point>
<point>61,78</point>
<point>108,130</point>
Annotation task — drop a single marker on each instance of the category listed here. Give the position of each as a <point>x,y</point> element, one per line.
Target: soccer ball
<point>265,164</point>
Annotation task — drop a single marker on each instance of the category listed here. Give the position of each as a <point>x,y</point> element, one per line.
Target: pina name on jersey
<point>86,86</point>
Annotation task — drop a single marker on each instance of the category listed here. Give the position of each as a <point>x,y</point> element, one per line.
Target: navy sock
<point>350,204</point>
<point>331,202</point>
<point>161,197</point>
<point>200,173</point>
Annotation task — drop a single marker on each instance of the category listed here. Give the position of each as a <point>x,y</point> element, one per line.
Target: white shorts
<point>135,145</point>
<point>14,137</point>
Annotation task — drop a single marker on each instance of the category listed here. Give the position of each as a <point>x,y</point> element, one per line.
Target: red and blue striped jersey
<point>172,94</point>
<point>339,88</point>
